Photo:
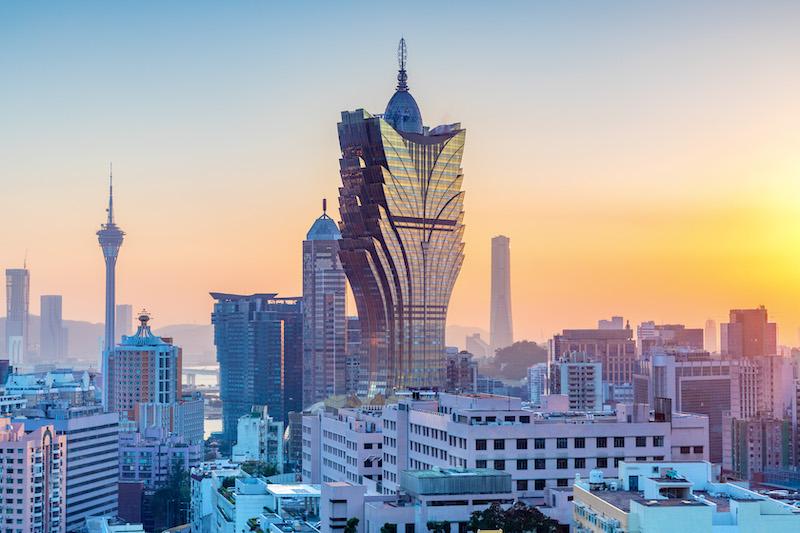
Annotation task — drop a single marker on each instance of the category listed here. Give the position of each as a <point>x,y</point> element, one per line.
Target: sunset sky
<point>644,158</point>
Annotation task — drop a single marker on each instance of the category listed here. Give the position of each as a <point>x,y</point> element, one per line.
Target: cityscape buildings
<point>711,336</point>
<point>614,348</point>
<point>17,315</point>
<point>324,321</point>
<point>475,345</point>
<point>461,372</point>
<point>259,437</point>
<point>651,335</point>
<point>52,333</point>
<point>402,213</point>
<point>501,329</point>
<point>579,378</point>
<point>123,322</point>
<point>537,383</point>
<point>259,340</point>
<point>748,334</point>
<point>353,354</point>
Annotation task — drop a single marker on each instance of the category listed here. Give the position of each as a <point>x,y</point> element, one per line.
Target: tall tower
<point>52,345</point>
<point>501,332</point>
<point>324,348</point>
<point>18,283</point>
<point>402,226</point>
<point>110,239</point>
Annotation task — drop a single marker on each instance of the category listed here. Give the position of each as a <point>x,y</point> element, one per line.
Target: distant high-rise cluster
<point>17,315</point>
<point>52,333</point>
<point>501,330</point>
<point>123,323</point>
<point>402,213</point>
<point>749,333</point>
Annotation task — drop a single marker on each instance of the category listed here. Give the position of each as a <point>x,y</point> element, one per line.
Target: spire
<point>324,206</point>
<point>402,56</point>
<point>110,194</point>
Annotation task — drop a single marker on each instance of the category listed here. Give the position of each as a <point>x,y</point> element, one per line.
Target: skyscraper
<point>259,340</point>
<point>324,350</point>
<point>110,239</point>
<point>711,336</point>
<point>749,334</point>
<point>501,333</point>
<point>52,338</point>
<point>402,226</point>
<point>124,321</point>
<point>17,306</point>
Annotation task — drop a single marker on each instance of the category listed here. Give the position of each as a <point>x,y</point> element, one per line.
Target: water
<point>212,425</point>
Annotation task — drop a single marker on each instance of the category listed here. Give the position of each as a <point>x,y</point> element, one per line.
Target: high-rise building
<point>579,378</point>
<point>52,338</point>
<point>259,340</point>
<point>353,357</point>
<point>17,309</point>
<point>710,336</point>
<point>537,383</point>
<point>615,322</point>
<point>324,348</point>
<point>501,332</point>
<point>475,345</point>
<point>402,212</point>
<point>614,348</point>
<point>652,336</point>
<point>143,368</point>
<point>124,320</point>
<point>461,372</point>
<point>749,334</point>
<point>259,437</point>
<point>35,487</point>
<point>92,453</point>
<point>110,239</point>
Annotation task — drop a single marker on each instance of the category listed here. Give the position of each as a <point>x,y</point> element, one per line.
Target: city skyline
<point>722,233</point>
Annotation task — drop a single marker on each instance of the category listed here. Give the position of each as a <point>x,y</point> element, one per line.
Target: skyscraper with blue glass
<point>259,340</point>
<point>402,212</point>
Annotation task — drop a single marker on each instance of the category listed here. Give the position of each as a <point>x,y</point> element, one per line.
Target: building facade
<point>259,340</point>
<point>401,204</point>
<point>52,334</point>
<point>580,379</point>
<point>749,333</point>
<point>324,318</point>
<point>501,329</point>
<point>614,348</point>
<point>353,357</point>
<point>537,383</point>
<point>259,437</point>
<point>461,372</point>
<point>123,321</point>
<point>18,283</point>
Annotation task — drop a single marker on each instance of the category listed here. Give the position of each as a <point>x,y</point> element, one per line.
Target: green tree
<point>519,518</point>
<point>351,526</point>
<point>389,528</point>
<point>438,527</point>
<point>259,468</point>
<point>170,504</point>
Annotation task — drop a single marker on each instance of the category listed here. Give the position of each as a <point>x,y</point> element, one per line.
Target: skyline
<point>199,165</point>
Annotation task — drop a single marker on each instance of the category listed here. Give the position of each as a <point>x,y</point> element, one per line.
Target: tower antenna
<point>110,193</point>
<point>324,205</point>
<point>402,57</point>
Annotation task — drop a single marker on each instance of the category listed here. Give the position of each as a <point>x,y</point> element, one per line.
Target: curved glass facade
<point>402,228</point>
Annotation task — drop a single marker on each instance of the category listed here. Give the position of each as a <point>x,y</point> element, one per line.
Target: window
<point>561,442</point>
<point>658,440</point>
<point>602,462</point>
<point>538,484</point>
<point>538,464</point>
<point>602,442</point>
<point>580,442</point>
<point>698,449</point>
<point>561,463</point>
<point>509,418</point>
<point>480,463</point>
<point>480,444</point>
<point>538,444</point>
<point>619,442</point>
<point>522,464</point>
<point>580,462</point>
<point>522,484</point>
<point>522,444</point>
<point>617,460</point>
<point>525,419</point>
<point>499,444</point>
<point>562,482</point>
<point>641,458</point>
<point>641,442</point>
<point>686,449</point>
<point>499,464</point>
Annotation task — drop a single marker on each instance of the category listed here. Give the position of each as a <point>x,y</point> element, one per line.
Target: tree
<point>351,526</point>
<point>170,504</point>
<point>490,518</point>
<point>259,468</point>
<point>519,518</point>
<point>389,528</point>
<point>512,362</point>
<point>438,527</point>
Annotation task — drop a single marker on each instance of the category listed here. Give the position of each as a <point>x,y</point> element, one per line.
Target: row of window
<point>563,442</point>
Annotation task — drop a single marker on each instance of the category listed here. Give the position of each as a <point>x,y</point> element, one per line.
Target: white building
<point>343,445</point>
<point>105,524</point>
<point>259,437</point>
<point>205,480</point>
<point>580,379</point>
<point>657,497</point>
<point>537,383</point>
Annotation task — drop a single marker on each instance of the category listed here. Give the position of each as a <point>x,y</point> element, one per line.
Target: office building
<point>402,212</point>
<point>35,487</point>
<point>324,319</point>
<point>477,346</point>
<point>52,335</point>
<point>749,333</point>
<point>537,383</point>
<point>184,417</point>
<point>92,454</point>
<point>710,336</point>
<point>123,321</point>
<point>259,437</point>
<point>579,378</point>
<point>656,497</point>
<point>615,322</point>
<point>501,331</point>
<point>651,336</point>
<point>353,355</point>
<point>110,237</point>
<point>614,348</point>
<point>17,315</point>
<point>461,372</point>
<point>151,456</point>
<point>143,368</point>
<point>758,445</point>
<point>259,340</point>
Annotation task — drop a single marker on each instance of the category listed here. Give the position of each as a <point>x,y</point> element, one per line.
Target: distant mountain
<point>456,335</point>
<point>197,341</point>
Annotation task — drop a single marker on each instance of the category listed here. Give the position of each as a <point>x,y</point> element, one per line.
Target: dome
<point>324,229</point>
<point>402,112</point>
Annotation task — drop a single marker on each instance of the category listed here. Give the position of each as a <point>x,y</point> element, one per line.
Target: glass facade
<point>402,228</point>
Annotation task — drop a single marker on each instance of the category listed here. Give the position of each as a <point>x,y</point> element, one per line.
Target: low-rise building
<point>259,438</point>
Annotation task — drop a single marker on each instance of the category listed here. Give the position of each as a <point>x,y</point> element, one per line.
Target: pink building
<point>34,480</point>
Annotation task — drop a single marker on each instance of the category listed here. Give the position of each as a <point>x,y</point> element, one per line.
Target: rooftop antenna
<point>25,260</point>
<point>324,205</point>
<point>402,56</point>
<point>110,194</point>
